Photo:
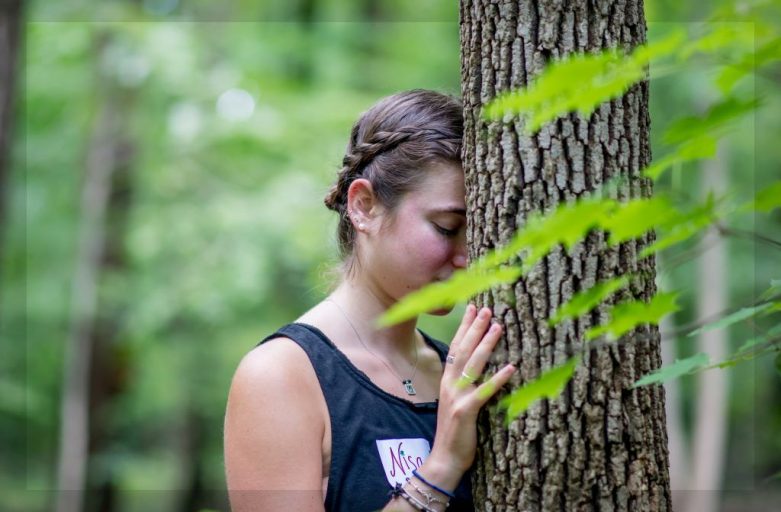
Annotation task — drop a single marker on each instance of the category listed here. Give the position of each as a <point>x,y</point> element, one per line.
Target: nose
<point>459,258</point>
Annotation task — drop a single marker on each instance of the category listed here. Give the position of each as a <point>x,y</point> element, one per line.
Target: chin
<point>441,311</point>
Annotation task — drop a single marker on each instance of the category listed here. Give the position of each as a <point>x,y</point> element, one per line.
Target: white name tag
<point>401,456</point>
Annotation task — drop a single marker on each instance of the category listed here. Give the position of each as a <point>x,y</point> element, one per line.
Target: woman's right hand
<point>460,399</point>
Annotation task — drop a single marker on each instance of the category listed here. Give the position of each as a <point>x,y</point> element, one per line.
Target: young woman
<point>332,413</point>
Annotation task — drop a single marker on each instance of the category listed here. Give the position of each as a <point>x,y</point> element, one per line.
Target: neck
<point>363,307</point>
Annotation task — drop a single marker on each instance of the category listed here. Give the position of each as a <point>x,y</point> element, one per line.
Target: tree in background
<point>93,373</point>
<point>10,20</point>
<point>602,444</point>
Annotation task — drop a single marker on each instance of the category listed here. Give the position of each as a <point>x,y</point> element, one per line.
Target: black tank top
<point>377,438</point>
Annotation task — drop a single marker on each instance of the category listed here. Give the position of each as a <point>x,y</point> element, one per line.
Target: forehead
<point>442,188</point>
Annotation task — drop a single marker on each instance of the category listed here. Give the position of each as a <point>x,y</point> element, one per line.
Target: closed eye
<point>450,233</point>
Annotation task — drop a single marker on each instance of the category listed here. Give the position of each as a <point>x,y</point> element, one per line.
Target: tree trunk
<point>709,437</point>
<point>601,445</point>
<point>10,20</point>
<point>92,372</point>
<point>676,433</point>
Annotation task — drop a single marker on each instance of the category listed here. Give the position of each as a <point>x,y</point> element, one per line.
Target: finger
<point>476,363</point>
<point>461,348</point>
<point>466,321</point>
<point>473,336</point>
<point>489,388</point>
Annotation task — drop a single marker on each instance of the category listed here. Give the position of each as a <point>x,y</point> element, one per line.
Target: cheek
<point>430,250</point>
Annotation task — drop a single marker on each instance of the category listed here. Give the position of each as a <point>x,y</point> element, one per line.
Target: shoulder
<point>274,415</point>
<point>278,365</point>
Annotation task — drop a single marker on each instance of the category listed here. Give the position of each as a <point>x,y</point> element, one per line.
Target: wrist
<point>440,473</point>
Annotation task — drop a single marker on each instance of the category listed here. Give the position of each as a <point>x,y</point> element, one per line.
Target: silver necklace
<point>407,383</point>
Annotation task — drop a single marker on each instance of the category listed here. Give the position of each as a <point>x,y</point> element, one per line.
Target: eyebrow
<point>456,210</point>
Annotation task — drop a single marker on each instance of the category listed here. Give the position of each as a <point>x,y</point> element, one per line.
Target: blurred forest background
<point>213,130</point>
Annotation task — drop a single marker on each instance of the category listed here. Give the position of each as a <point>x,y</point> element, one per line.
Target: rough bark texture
<point>601,445</point>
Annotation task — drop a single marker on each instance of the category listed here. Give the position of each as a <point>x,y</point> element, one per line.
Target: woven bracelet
<point>436,488</point>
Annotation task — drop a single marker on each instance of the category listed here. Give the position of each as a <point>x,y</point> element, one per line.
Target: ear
<point>361,203</point>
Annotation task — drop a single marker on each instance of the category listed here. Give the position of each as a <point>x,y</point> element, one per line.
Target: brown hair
<point>389,145</point>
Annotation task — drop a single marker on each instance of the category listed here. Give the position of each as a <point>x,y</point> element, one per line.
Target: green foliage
<point>633,218</point>
<point>601,76</point>
<point>770,336</point>
<point>626,316</point>
<point>701,147</point>
<point>677,369</point>
<point>767,199</point>
<point>583,302</point>
<point>207,195</point>
<point>548,385</point>
<point>462,285</point>
<point>716,120</point>
<point>731,74</point>
<point>567,225</point>
<point>686,225</point>
<point>732,318</point>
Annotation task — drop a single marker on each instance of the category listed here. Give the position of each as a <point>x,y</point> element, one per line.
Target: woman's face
<point>423,240</point>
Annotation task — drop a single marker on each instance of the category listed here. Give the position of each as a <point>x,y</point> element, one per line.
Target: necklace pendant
<point>408,387</point>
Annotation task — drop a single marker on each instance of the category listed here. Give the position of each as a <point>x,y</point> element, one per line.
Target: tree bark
<point>601,445</point>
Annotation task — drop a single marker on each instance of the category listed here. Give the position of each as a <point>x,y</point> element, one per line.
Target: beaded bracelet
<point>436,488</point>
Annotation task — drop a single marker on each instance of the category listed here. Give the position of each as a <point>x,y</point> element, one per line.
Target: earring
<point>360,225</point>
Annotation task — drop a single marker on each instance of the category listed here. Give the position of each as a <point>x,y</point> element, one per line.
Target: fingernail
<point>485,313</point>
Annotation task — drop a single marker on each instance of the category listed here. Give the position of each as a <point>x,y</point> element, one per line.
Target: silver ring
<point>450,359</point>
<point>468,377</point>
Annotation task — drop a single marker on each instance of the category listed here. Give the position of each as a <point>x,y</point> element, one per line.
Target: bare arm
<point>274,424</point>
<point>274,432</point>
<point>460,400</point>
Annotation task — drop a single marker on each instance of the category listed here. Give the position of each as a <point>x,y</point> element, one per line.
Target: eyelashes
<point>450,233</point>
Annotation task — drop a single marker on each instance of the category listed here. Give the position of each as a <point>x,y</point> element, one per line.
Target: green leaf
<point>567,224</point>
<point>713,122</point>
<point>626,316</point>
<point>767,199</point>
<point>600,77</point>
<point>724,35</point>
<point>770,335</point>
<point>587,300</point>
<point>462,285</point>
<point>773,290</point>
<point>730,319</point>
<point>637,216</point>
<point>685,226</point>
<point>698,148</point>
<point>731,74</point>
<point>548,385</point>
<point>671,371</point>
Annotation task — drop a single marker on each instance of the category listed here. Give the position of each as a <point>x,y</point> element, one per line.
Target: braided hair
<point>389,146</point>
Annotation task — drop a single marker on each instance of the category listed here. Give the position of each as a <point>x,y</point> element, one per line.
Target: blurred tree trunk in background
<point>709,436</point>
<point>673,406</point>
<point>601,445</point>
<point>10,21</point>
<point>94,370</point>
